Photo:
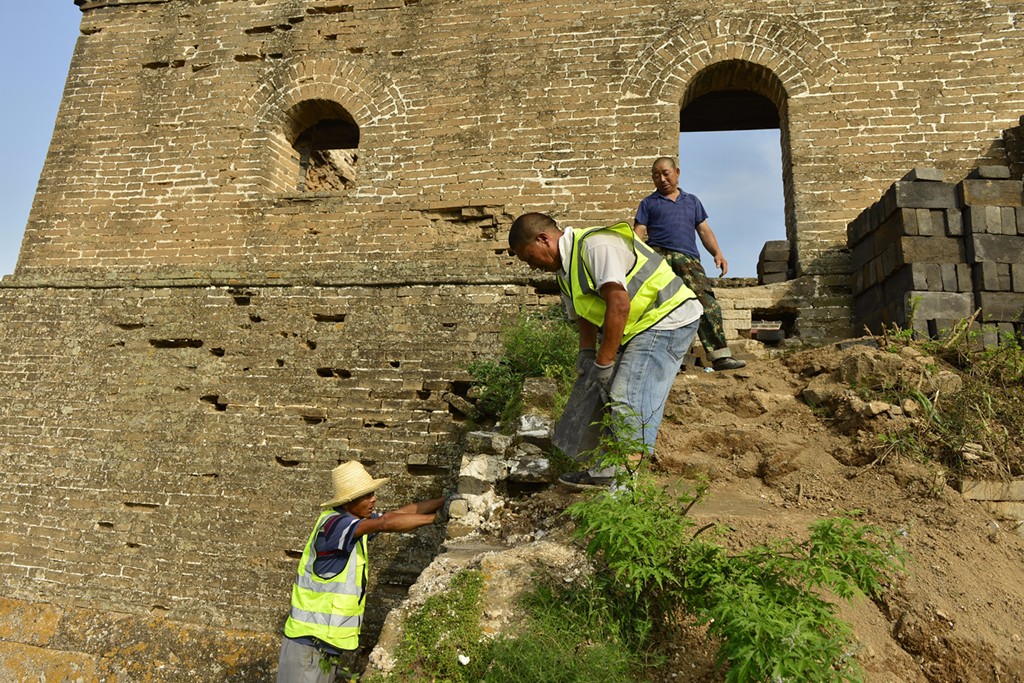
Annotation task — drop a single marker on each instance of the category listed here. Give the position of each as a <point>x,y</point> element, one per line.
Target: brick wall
<point>172,146</point>
<point>166,449</point>
<point>191,340</point>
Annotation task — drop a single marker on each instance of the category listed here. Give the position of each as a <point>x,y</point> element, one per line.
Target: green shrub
<point>534,346</point>
<point>763,604</point>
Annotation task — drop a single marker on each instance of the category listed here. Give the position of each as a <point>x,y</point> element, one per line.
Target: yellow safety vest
<point>654,290</point>
<point>329,609</point>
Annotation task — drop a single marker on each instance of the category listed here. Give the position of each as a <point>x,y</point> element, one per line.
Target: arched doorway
<point>734,156</point>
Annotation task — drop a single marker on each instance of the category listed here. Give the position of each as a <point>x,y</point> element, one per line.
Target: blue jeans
<point>644,373</point>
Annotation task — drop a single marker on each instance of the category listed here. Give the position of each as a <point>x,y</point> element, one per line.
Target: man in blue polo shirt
<point>670,221</point>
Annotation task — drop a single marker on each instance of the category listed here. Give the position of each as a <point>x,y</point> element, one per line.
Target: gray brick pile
<point>773,262</point>
<point>994,239</point>
<point>930,253</point>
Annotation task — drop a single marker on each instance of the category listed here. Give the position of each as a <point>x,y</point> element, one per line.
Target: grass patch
<point>978,428</point>
<point>541,345</point>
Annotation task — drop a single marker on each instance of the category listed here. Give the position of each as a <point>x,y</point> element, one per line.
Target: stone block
<point>991,172</point>
<point>922,222</point>
<point>923,173</point>
<point>862,252</point>
<point>985,489</point>
<point>998,248</point>
<point>978,220</point>
<point>982,192</point>
<point>772,267</point>
<point>1008,220</point>
<point>1017,277</point>
<point>775,250</point>
<point>770,335</point>
<point>938,305</point>
<point>478,473</point>
<point>930,195</point>
<point>772,278</point>
<point>539,394</point>
<point>990,277</point>
<point>417,459</point>
<point>949,281</point>
<point>859,227</point>
<point>458,508</point>
<point>1001,306</point>
<point>935,249</point>
<point>953,222</point>
<point>963,278</point>
<point>860,279</point>
<point>922,277</point>
<point>868,302</point>
<point>909,217</point>
<point>888,231</point>
<point>530,470</point>
<point>493,443</point>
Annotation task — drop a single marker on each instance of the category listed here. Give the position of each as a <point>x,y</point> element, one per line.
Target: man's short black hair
<point>525,228</point>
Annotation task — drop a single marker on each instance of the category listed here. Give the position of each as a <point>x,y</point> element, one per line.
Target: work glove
<point>583,360</point>
<point>603,375</point>
<point>444,514</point>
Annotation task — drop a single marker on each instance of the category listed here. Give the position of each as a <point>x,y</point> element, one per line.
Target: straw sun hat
<point>351,480</point>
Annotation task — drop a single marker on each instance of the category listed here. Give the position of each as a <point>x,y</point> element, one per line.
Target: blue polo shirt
<point>672,224</point>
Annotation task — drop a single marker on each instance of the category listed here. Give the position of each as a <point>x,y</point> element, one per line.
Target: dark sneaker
<point>729,363</point>
<point>579,481</point>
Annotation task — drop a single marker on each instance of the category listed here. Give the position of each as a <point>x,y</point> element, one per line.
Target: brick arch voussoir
<point>367,97</point>
<point>796,56</point>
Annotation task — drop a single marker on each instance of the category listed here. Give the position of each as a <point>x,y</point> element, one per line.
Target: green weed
<point>762,604</point>
<point>445,627</point>
<point>988,409</point>
<point>534,346</point>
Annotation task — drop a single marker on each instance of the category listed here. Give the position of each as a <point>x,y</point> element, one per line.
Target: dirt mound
<point>787,442</point>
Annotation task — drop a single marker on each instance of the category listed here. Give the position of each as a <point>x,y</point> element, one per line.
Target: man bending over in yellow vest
<point>615,285</point>
<point>329,593</point>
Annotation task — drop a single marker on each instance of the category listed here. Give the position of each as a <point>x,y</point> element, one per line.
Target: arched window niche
<point>323,149</point>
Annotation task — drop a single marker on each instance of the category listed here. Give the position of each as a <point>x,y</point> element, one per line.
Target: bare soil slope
<point>776,465</point>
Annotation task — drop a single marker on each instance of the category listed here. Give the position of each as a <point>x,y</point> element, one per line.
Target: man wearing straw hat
<point>329,592</point>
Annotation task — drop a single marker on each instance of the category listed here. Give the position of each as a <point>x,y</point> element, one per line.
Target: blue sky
<point>35,54</point>
<point>738,176</point>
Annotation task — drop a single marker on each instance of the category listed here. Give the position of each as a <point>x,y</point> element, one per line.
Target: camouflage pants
<point>691,272</point>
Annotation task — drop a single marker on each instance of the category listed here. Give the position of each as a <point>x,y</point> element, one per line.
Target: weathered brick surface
<point>173,141</point>
<point>86,645</point>
<point>193,337</point>
<point>166,449</point>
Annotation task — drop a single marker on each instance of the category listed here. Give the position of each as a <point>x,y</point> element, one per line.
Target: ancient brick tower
<point>269,235</point>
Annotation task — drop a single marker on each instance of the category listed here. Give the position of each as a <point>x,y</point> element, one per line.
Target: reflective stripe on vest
<point>654,290</point>
<point>329,609</point>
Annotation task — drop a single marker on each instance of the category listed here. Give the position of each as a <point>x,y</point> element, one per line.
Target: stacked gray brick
<point>993,210</point>
<point>929,253</point>
<point>773,262</point>
<point>908,257</point>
